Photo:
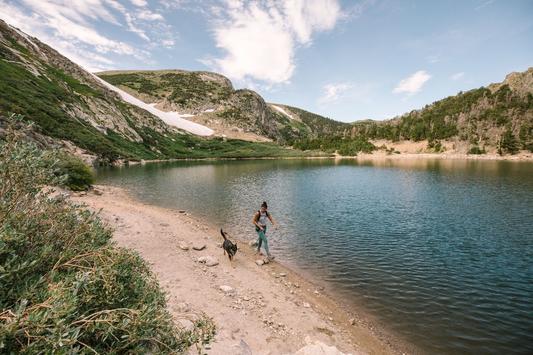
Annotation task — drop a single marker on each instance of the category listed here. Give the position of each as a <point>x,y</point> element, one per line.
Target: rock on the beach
<point>199,246</point>
<point>183,246</point>
<point>306,305</point>
<point>317,347</point>
<point>226,289</point>
<point>282,274</point>
<point>253,243</point>
<point>352,321</point>
<point>259,262</point>
<point>208,260</point>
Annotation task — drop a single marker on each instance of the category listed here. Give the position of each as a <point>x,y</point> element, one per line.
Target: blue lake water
<point>441,251</point>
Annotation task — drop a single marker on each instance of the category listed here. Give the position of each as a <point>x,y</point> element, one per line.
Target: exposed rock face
<point>519,82</point>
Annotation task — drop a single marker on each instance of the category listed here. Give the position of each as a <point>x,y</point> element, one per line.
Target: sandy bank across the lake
<point>267,309</point>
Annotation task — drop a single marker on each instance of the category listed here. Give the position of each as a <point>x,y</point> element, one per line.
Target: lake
<point>440,251</point>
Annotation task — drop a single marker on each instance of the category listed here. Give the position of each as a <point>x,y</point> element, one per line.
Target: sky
<point>347,60</point>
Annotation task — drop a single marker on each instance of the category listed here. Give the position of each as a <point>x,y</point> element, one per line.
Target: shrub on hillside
<point>63,287</point>
<point>476,150</point>
<point>78,175</point>
<point>508,143</point>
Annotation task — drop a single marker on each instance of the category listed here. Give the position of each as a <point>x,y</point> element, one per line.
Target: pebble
<point>282,274</point>
<point>181,211</point>
<point>183,246</point>
<point>352,321</point>
<point>306,305</point>
<point>208,260</point>
<point>226,289</point>
<point>253,243</point>
<point>199,246</point>
<point>259,262</point>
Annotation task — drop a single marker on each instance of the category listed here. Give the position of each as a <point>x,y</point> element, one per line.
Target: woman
<point>260,221</point>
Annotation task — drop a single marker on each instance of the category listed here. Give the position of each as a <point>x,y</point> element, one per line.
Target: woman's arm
<point>271,219</point>
<point>255,220</point>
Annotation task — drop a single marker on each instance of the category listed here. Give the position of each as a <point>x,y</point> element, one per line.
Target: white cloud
<point>72,27</point>
<point>140,3</point>
<point>457,76</point>
<point>149,15</point>
<point>260,38</point>
<point>412,84</point>
<point>333,92</point>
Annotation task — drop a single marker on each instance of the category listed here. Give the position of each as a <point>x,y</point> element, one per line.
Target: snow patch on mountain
<point>280,109</point>
<point>171,118</point>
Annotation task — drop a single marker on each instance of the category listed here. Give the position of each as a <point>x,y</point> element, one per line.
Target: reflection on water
<point>440,250</point>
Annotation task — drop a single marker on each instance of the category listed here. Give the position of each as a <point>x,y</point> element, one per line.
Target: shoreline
<point>377,155</point>
<point>278,309</point>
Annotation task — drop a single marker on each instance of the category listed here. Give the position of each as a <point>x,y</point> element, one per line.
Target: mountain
<point>77,112</point>
<point>212,100</point>
<point>482,118</point>
<point>151,114</point>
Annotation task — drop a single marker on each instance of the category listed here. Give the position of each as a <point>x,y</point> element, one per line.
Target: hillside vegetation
<point>64,287</point>
<point>483,117</point>
<point>499,117</point>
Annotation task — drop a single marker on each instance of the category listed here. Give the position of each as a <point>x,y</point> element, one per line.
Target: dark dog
<point>228,246</point>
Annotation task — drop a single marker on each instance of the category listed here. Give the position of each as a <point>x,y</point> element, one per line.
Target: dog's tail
<point>223,234</point>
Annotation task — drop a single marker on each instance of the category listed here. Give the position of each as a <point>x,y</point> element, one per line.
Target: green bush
<point>476,150</point>
<point>64,288</point>
<point>79,176</point>
<point>508,143</point>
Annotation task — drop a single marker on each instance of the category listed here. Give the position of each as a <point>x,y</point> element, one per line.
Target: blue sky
<point>347,60</point>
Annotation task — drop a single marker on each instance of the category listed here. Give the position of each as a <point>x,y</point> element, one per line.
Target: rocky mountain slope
<point>488,117</point>
<point>213,101</point>
<point>477,120</point>
<point>75,110</point>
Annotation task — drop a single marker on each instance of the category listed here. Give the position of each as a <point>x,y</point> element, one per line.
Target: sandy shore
<point>267,309</point>
<point>380,155</point>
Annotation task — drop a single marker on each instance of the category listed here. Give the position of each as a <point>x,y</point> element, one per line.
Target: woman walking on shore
<point>260,222</point>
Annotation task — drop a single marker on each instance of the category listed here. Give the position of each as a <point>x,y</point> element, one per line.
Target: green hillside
<point>70,105</point>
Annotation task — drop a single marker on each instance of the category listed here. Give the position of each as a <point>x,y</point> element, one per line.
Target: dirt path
<point>257,309</point>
